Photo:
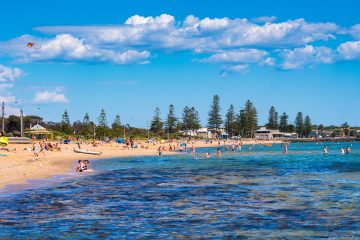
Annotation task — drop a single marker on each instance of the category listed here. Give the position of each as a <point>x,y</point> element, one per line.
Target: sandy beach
<point>19,166</point>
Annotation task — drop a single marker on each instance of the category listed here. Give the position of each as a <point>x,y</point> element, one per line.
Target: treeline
<point>243,122</point>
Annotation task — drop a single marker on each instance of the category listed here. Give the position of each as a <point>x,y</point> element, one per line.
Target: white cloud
<point>50,97</point>
<point>234,69</point>
<point>8,74</point>
<point>265,19</point>
<point>237,56</point>
<point>7,99</point>
<point>65,47</point>
<point>230,41</point>
<point>269,61</point>
<point>349,50</point>
<point>355,31</point>
<point>306,56</point>
<point>193,33</point>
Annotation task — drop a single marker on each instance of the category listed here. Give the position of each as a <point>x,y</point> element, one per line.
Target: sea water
<point>255,193</point>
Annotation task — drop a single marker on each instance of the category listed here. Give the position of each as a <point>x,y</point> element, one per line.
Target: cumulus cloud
<point>355,31</point>
<point>163,32</point>
<point>50,97</point>
<point>306,56</point>
<point>233,42</point>
<point>8,74</point>
<point>349,50</point>
<point>237,56</point>
<point>65,47</point>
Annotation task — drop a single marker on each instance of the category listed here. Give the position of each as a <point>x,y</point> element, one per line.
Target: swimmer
<point>218,152</point>
<point>325,150</point>
<point>342,151</point>
<point>207,155</point>
<point>347,150</point>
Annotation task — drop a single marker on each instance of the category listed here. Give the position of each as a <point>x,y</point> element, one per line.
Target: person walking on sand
<point>36,151</point>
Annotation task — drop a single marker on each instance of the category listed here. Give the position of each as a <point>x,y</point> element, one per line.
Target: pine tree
<point>241,122</point>
<point>283,127</point>
<point>102,128</point>
<point>86,129</point>
<point>171,121</point>
<point>273,119</point>
<point>86,119</point>
<point>307,126</point>
<point>156,123</point>
<point>186,119</point>
<point>65,123</point>
<point>299,124</point>
<point>102,118</point>
<point>116,126</point>
<point>194,119</point>
<point>214,120</point>
<point>230,120</point>
<point>251,123</point>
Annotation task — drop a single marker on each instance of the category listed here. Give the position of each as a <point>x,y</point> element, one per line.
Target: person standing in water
<point>347,150</point>
<point>342,151</point>
<point>218,152</point>
<point>325,150</point>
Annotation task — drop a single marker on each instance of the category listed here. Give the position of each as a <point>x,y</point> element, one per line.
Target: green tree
<point>299,124</point>
<point>156,123</point>
<point>251,123</point>
<point>13,123</point>
<point>307,126</point>
<point>65,123</point>
<point>186,118</point>
<point>194,119</point>
<point>240,122</point>
<point>273,119</point>
<point>291,128</point>
<point>102,129</point>
<point>86,129</point>
<point>214,119</point>
<point>171,120</point>
<point>102,119</point>
<point>116,126</point>
<point>283,126</point>
<point>230,120</point>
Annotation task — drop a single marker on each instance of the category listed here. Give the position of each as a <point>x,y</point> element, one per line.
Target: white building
<point>267,134</point>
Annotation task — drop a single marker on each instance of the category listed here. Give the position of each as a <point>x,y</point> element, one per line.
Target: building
<point>267,134</point>
<point>39,132</point>
<point>203,133</point>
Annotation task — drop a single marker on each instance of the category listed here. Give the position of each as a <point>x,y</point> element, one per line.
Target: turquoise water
<point>257,194</point>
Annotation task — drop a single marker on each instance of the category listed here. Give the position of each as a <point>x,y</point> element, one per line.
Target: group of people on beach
<point>42,146</point>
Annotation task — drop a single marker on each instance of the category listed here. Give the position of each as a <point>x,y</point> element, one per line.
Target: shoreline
<point>18,168</point>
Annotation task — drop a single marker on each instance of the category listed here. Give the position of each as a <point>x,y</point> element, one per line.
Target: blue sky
<point>129,57</point>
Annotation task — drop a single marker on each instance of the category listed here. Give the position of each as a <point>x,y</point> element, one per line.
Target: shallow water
<point>253,194</point>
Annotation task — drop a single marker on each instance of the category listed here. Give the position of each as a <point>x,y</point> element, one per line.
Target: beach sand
<point>19,167</point>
